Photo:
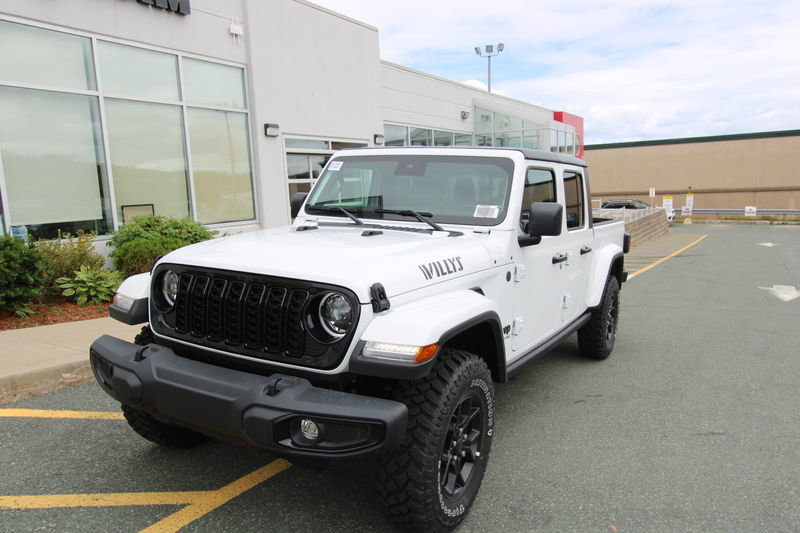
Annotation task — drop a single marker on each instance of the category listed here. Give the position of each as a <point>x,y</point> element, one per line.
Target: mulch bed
<point>52,313</point>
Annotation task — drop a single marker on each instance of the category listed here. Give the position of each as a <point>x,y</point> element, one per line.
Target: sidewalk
<point>42,359</point>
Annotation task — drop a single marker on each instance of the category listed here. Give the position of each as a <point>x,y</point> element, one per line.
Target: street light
<point>489,52</point>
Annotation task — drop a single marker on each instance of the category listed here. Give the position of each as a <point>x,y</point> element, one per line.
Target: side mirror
<point>297,202</point>
<point>546,219</point>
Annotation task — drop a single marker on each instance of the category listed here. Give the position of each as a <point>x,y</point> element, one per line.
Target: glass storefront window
<point>130,71</point>
<point>308,144</point>
<point>221,165</point>
<point>483,120</point>
<point>317,162</point>
<point>213,84</point>
<point>442,138</point>
<point>44,57</point>
<point>395,135</point>
<point>462,139</point>
<point>420,137</point>
<point>297,167</point>
<point>148,160</point>
<point>52,158</point>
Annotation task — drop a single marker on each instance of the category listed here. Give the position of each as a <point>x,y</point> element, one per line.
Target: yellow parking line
<point>45,413</point>
<point>198,503</point>
<point>52,501</point>
<point>211,500</point>
<point>673,254</point>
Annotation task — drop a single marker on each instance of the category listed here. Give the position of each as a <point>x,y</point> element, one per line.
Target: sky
<point>633,69</point>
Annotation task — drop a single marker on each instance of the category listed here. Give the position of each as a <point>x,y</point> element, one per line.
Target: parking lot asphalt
<point>692,424</point>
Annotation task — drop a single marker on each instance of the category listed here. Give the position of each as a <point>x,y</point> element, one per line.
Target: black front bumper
<point>263,411</point>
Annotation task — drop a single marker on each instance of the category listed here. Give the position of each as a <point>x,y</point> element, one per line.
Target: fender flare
<point>423,322</point>
<point>130,304</point>
<point>605,259</point>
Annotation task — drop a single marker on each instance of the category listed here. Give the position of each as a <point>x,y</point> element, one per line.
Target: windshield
<point>447,189</point>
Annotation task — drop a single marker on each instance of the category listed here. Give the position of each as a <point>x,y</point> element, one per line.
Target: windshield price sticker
<point>487,211</point>
<point>334,166</point>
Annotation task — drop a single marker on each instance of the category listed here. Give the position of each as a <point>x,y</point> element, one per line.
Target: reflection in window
<point>221,165</point>
<point>147,156</point>
<point>309,144</point>
<point>394,135</point>
<point>213,84</point>
<point>297,167</point>
<point>573,191</point>
<point>442,138</point>
<point>462,139</point>
<point>130,71</point>
<point>420,137</point>
<point>43,57</point>
<point>53,162</point>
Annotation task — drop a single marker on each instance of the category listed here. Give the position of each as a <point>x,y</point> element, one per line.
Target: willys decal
<point>444,267</point>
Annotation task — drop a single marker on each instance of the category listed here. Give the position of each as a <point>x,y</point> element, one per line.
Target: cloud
<point>634,69</point>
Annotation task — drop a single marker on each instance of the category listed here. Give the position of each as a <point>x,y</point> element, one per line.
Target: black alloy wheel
<point>462,445</point>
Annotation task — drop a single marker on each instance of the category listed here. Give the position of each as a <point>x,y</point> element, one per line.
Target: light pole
<point>489,52</point>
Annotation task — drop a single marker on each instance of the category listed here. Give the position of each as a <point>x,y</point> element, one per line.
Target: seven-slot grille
<point>259,316</point>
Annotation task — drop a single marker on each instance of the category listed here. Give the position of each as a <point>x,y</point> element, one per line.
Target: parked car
<point>625,204</point>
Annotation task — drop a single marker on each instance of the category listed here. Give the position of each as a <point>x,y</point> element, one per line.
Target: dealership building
<point>216,110</point>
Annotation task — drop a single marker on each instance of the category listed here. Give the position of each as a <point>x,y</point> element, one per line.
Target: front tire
<point>430,483</point>
<point>596,339</point>
<point>152,429</point>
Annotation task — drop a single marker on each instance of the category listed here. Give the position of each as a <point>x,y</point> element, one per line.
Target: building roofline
<point>691,140</point>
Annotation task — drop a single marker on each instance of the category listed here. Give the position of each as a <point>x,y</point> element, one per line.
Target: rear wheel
<point>596,339</point>
<point>430,483</point>
<point>153,429</point>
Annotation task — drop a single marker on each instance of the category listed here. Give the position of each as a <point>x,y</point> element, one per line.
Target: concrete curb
<point>20,386</point>
<point>43,359</point>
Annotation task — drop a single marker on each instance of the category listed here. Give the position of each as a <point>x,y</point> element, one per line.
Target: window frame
<point>100,93</point>
<point>581,199</point>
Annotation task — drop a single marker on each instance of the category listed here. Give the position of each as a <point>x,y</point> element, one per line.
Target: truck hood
<point>401,261</point>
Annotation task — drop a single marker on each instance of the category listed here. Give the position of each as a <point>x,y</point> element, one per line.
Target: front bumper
<point>263,411</point>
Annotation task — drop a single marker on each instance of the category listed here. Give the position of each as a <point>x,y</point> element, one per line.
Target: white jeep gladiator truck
<point>410,281</point>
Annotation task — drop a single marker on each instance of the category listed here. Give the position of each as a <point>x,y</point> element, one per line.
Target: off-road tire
<point>596,338</point>
<point>458,393</point>
<point>152,429</point>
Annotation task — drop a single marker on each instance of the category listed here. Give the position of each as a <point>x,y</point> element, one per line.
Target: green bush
<point>138,244</point>
<point>138,255</point>
<point>21,280</point>
<point>66,255</point>
<point>91,285</point>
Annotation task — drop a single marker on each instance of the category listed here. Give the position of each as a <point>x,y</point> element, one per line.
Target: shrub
<point>21,280</point>
<point>91,285</point>
<point>138,255</point>
<point>164,235</point>
<point>65,255</point>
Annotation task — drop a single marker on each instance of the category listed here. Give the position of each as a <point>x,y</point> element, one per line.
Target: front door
<point>538,277</point>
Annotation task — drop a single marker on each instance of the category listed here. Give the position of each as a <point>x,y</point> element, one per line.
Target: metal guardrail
<point>741,211</point>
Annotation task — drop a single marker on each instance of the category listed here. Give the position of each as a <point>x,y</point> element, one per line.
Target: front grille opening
<point>248,314</point>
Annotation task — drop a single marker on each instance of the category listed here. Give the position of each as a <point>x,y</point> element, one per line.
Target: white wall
<point>314,73</point>
<point>420,99</point>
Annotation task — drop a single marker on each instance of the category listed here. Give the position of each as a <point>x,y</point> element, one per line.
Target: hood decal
<point>443,267</point>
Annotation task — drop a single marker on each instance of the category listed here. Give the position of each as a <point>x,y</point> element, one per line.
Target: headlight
<point>169,287</point>
<point>336,314</point>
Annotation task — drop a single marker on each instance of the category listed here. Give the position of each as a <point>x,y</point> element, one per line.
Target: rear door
<point>577,244</point>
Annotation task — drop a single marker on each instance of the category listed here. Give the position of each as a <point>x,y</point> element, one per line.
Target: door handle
<point>585,250</point>
<point>559,258</point>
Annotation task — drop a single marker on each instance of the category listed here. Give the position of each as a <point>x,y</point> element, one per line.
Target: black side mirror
<point>545,220</point>
<point>297,202</point>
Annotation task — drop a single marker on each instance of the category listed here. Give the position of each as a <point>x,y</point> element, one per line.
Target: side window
<point>540,186</point>
<point>573,192</point>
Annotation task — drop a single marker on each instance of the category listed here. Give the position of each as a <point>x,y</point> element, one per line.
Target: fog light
<point>309,429</point>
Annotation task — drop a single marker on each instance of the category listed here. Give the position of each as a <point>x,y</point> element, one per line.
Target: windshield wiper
<point>339,209</point>
<point>422,217</point>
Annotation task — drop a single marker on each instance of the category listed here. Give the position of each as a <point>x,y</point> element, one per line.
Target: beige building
<point>724,172</point>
